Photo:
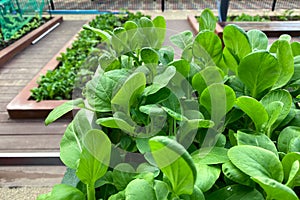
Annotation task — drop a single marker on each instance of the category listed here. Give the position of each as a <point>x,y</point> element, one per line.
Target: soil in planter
<point>33,24</point>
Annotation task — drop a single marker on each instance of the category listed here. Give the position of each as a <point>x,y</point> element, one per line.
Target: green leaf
<point>182,66</point>
<point>230,61</point>
<point>71,142</point>
<point>294,145</point>
<point>149,56</point>
<point>166,54</point>
<point>296,75</point>
<point>295,48</point>
<point>236,175</point>
<point>173,114</point>
<point>206,176</point>
<point>183,39</point>
<point>207,47</point>
<point>254,109</point>
<point>105,36</point>
<point>255,161</point>
<point>108,62</point>
<point>294,174</point>
<point>145,22</point>
<point>123,173</point>
<point>159,23</point>
<point>70,178</point>
<point>274,189</point>
<point>157,118</point>
<point>62,192</point>
<point>236,41</point>
<point>170,157</point>
<point>207,20</point>
<point>285,137</point>
<point>258,39</point>
<point>119,41</point>
<point>114,122</point>
<point>100,90</point>
<point>218,99</point>
<point>130,25</point>
<point>63,109</point>
<point>187,54</point>
<point>160,81</point>
<point>147,168</point>
<point>119,196</point>
<point>286,61</point>
<point>210,156</point>
<point>259,140</point>
<point>259,71</point>
<point>197,195</point>
<point>95,157</point>
<point>143,191</point>
<point>188,130</point>
<point>282,96</point>
<point>161,190</point>
<point>234,192</point>
<point>128,93</point>
<point>206,77</point>
<point>173,103</point>
<point>106,179</point>
<point>288,162</point>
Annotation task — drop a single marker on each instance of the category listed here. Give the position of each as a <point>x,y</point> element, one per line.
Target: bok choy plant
<point>218,123</point>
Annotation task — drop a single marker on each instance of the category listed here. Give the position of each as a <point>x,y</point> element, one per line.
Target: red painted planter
<point>23,107</point>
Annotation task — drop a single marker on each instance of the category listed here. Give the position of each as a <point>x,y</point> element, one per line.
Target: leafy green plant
<point>24,27</point>
<point>286,15</point>
<point>78,62</point>
<point>218,123</point>
<point>249,18</point>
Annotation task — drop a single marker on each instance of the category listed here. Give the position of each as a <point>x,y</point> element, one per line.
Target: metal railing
<point>108,5</point>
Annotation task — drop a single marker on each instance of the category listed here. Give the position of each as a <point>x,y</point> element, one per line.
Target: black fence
<point>109,5</point>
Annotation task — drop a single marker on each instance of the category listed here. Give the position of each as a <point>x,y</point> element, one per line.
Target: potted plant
<point>218,123</point>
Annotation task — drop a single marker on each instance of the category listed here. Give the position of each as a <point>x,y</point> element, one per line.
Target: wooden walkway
<point>19,136</point>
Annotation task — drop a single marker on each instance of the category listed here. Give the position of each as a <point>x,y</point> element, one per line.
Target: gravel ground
<point>23,193</point>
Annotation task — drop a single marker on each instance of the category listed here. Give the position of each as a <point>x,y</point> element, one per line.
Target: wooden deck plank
<point>33,128</point>
<point>6,98</point>
<point>15,76</point>
<point>19,71</point>
<point>30,142</point>
<point>14,82</point>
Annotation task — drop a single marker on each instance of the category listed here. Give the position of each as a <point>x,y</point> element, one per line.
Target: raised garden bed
<point>270,28</point>
<point>13,49</point>
<point>25,106</point>
<point>22,106</point>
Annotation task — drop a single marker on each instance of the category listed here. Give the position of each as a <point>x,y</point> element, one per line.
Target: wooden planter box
<point>271,29</point>
<point>13,49</point>
<point>23,107</point>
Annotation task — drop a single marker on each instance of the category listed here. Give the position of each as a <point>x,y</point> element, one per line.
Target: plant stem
<point>171,126</point>
<point>174,127</point>
<point>91,192</point>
